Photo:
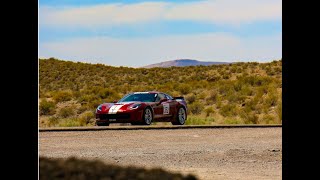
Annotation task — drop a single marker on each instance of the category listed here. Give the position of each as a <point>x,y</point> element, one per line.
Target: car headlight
<point>135,106</point>
<point>99,108</point>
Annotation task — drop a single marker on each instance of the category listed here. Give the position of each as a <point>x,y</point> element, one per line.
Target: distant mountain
<point>183,62</point>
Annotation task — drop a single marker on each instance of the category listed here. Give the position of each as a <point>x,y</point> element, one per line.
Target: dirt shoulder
<point>246,153</point>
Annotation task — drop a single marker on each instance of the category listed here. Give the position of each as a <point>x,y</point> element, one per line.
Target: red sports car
<point>143,108</point>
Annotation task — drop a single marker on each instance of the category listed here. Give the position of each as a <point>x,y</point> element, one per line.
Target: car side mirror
<point>115,101</point>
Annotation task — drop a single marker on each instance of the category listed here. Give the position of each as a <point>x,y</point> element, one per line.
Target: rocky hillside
<point>183,62</point>
<point>216,94</point>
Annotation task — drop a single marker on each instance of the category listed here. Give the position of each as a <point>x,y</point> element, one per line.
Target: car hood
<point>113,108</point>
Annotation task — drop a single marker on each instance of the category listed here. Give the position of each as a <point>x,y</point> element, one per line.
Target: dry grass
<point>233,93</point>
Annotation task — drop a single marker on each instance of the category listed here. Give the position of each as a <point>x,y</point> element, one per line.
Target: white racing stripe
<point>114,109</point>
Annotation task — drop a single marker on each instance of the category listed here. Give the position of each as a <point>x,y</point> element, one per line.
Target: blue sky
<point>94,2</point>
<point>137,32</point>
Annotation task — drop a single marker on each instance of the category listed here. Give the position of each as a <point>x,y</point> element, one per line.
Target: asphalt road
<point>240,153</point>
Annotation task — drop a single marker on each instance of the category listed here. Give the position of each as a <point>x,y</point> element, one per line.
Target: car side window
<point>159,97</point>
<point>168,97</point>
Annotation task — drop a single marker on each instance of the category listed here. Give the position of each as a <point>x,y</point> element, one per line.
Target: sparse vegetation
<point>66,112</point>
<point>217,94</point>
<point>209,111</point>
<point>196,108</point>
<point>47,107</point>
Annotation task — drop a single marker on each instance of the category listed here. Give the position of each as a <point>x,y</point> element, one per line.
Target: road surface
<point>240,153</point>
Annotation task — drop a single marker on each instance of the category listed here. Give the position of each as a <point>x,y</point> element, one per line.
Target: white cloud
<point>227,11</point>
<point>100,15</point>
<point>211,11</point>
<point>143,51</point>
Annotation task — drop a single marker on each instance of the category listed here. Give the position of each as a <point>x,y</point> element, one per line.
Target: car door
<point>158,107</point>
<point>162,110</point>
<point>172,104</point>
<point>166,106</point>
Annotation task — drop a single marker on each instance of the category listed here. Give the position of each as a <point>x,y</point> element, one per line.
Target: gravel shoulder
<point>242,153</point>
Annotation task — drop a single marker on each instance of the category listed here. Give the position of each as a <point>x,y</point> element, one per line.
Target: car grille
<point>114,116</point>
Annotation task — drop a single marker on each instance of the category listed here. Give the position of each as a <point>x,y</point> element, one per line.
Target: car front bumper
<point>120,117</point>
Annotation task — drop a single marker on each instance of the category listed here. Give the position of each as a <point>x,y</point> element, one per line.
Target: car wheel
<point>102,123</point>
<point>147,116</point>
<point>181,117</point>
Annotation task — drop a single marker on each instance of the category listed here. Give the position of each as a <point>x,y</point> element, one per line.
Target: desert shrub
<point>62,96</point>
<point>254,80</point>
<point>237,86</point>
<point>251,104</point>
<point>174,93</point>
<point>87,117</point>
<point>278,70</point>
<point>260,108</point>
<point>114,97</point>
<point>239,70</point>
<point>94,104</point>
<point>236,98</point>
<point>233,69</point>
<point>53,121</point>
<point>70,122</point>
<point>279,110</point>
<point>212,96</point>
<point>226,76</point>
<point>184,88</point>
<point>249,118</point>
<point>224,88</point>
<point>41,93</point>
<point>232,121</point>
<point>270,71</point>
<point>76,94</point>
<point>247,91</point>
<point>209,111</point>
<point>92,84</point>
<point>268,119</point>
<point>209,120</point>
<point>213,78</point>
<point>82,108</point>
<point>202,95</point>
<point>218,103</point>
<point>47,107</point>
<point>190,98</point>
<point>271,100</point>
<point>196,107</point>
<point>261,90</point>
<point>66,112</point>
<point>232,97</point>
<point>245,74</point>
<point>196,120</point>
<point>228,110</point>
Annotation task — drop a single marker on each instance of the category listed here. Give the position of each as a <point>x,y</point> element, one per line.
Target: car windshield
<point>143,97</point>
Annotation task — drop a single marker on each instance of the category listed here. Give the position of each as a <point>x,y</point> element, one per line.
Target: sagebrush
<point>239,92</point>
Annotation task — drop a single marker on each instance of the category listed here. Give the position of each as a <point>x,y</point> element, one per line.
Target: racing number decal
<point>166,108</point>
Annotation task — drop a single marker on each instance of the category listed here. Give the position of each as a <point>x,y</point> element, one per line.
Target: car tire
<point>181,117</point>
<point>147,116</point>
<point>102,123</point>
<point>136,123</point>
